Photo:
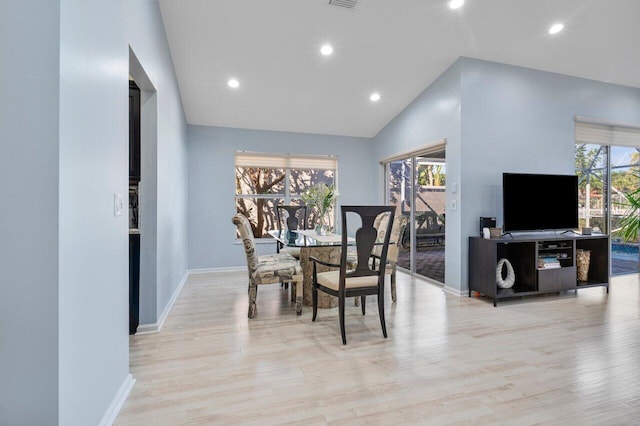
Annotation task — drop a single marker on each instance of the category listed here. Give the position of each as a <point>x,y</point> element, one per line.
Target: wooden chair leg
<point>394,298</point>
<point>314,299</point>
<point>341,310</point>
<point>381,313</point>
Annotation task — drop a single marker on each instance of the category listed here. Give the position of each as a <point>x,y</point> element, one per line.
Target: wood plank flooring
<point>562,359</point>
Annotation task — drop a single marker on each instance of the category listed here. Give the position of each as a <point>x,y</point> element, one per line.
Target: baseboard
<point>455,291</point>
<point>217,270</point>
<point>157,326</point>
<point>118,401</point>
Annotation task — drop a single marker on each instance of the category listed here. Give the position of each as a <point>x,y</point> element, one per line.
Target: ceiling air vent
<point>349,4</point>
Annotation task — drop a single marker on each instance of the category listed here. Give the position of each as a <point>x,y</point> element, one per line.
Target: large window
<point>266,180</point>
<point>607,162</point>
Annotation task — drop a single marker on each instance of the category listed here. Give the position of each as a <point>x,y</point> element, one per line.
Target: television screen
<point>536,202</point>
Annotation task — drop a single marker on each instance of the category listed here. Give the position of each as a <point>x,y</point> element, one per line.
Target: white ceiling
<point>394,47</point>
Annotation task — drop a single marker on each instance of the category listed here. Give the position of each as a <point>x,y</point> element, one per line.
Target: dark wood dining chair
<point>368,277</point>
<point>295,217</point>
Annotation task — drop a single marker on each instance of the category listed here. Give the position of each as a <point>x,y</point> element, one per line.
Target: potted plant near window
<point>321,198</point>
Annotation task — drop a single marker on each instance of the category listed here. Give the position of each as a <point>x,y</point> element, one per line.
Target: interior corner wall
<point>148,41</point>
<point>433,116</point>
<point>29,108</point>
<point>212,236</point>
<point>521,120</point>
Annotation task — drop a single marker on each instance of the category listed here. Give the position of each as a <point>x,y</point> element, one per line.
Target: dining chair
<point>367,278</point>
<point>268,269</point>
<point>295,217</point>
<point>395,242</point>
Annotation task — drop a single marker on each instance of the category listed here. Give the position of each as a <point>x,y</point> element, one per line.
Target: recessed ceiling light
<point>556,28</point>
<point>456,4</point>
<point>375,97</point>
<point>233,83</point>
<point>326,49</point>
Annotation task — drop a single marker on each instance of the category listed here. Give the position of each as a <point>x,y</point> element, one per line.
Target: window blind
<point>286,161</point>
<point>438,148</point>
<point>594,132</point>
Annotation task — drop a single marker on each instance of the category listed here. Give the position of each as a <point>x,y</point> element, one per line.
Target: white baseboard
<point>455,291</point>
<point>118,401</point>
<point>157,326</point>
<point>217,270</point>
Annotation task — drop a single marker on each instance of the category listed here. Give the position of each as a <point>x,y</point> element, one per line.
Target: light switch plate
<point>118,204</point>
<point>454,205</point>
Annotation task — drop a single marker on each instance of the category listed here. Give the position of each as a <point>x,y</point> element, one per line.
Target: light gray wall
<point>29,70</point>
<point>148,41</point>
<point>521,120</point>
<point>431,117</point>
<point>212,183</point>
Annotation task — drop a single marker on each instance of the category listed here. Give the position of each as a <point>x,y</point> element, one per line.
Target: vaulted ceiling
<point>396,48</point>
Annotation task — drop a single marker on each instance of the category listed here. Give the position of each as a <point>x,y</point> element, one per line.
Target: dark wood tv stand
<point>523,253</point>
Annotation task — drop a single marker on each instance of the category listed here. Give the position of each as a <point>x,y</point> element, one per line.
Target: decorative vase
<point>321,228</point>
<point>583,257</point>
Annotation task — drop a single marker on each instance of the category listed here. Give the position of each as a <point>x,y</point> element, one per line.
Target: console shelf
<point>527,255</point>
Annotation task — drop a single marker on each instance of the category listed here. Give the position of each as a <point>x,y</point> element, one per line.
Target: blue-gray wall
<point>520,120</point>
<point>29,108</point>
<point>64,345</point>
<point>148,41</point>
<point>212,183</point>
<point>433,116</point>
<point>498,118</point>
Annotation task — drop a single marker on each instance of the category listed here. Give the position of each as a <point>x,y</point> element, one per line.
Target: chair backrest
<point>397,229</point>
<point>366,237</point>
<point>246,234</point>
<point>296,216</point>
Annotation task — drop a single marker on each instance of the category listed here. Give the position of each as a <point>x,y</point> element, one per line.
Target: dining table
<point>323,247</point>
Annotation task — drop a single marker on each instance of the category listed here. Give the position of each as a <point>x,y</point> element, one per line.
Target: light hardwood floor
<point>561,359</point>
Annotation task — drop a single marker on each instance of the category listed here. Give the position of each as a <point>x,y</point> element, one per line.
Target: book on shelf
<point>548,262</point>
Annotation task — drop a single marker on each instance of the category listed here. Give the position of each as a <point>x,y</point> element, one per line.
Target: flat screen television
<point>539,202</point>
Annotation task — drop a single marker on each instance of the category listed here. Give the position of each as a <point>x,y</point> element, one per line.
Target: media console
<point>528,255</point>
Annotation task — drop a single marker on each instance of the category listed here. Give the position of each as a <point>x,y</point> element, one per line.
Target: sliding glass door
<point>416,186</point>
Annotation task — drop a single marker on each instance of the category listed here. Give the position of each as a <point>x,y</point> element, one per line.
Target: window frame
<point>288,163</point>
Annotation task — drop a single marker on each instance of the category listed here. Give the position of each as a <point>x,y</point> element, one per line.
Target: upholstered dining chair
<point>367,278</point>
<point>295,217</point>
<point>397,230</point>
<point>268,269</point>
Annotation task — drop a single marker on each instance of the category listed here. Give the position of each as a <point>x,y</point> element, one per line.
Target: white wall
<point>29,75</point>
<point>433,116</point>
<point>212,183</point>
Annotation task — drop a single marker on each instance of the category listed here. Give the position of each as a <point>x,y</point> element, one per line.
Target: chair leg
<point>364,300</point>
<point>341,310</point>
<point>314,299</point>
<point>381,312</point>
<point>298,291</point>
<point>253,292</point>
<point>356,301</point>
<point>394,297</point>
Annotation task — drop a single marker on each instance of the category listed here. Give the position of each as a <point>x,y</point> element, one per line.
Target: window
<point>266,180</point>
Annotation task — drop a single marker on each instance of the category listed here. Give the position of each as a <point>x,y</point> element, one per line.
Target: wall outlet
<point>118,204</point>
